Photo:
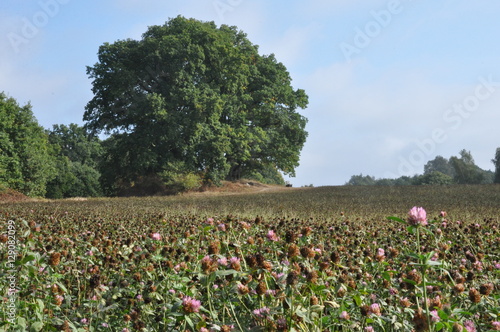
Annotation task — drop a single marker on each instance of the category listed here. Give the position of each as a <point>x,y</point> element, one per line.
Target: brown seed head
<point>3,238</point>
<point>266,265</point>
<point>312,277</point>
<point>251,261</point>
<point>292,278</point>
<point>474,295</point>
<point>55,259</point>
<point>341,292</point>
<point>457,327</point>
<point>306,231</point>
<point>261,288</point>
<point>65,327</point>
<point>307,252</point>
<point>415,276</point>
<point>226,328</point>
<point>324,265</point>
<point>420,321</point>
<point>293,250</point>
<point>436,303</point>
<point>486,289</point>
<point>404,302</point>
<point>214,248</point>
<point>95,281</point>
<point>335,257</point>
<point>365,310</point>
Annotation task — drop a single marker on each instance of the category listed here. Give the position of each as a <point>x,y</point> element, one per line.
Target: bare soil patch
<point>238,187</point>
<point>12,196</point>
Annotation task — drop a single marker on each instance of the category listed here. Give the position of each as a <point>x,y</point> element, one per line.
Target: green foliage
<point>439,171</point>
<point>496,161</point>
<point>361,180</point>
<point>26,163</point>
<point>267,175</point>
<point>78,155</point>
<point>439,164</point>
<point>466,171</point>
<point>185,182</point>
<point>434,178</point>
<point>198,94</point>
<point>178,177</point>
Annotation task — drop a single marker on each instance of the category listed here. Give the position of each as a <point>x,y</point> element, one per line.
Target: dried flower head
<point>420,321</point>
<point>214,248</point>
<point>55,259</point>
<point>95,281</point>
<point>261,288</point>
<point>486,289</point>
<point>474,295</point>
<point>307,252</point>
<point>208,264</point>
<point>292,278</point>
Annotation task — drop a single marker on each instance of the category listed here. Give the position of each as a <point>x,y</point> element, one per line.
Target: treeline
<point>57,163</point>
<point>70,161</point>
<point>459,169</point>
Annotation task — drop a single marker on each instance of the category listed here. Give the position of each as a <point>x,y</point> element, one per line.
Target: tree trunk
<point>234,173</point>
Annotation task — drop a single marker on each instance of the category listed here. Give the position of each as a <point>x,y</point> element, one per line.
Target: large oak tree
<point>193,97</point>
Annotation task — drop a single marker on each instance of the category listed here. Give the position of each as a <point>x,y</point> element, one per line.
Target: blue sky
<point>391,84</point>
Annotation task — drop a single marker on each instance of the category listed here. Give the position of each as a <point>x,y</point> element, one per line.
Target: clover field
<point>297,259</point>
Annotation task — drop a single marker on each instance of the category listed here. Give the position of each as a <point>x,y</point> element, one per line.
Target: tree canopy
<point>496,162</point>
<point>466,171</point>
<point>195,98</point>
<point>26,163</point>
<point>439,164</point>
<point>439,171</point>
<point>78,155</point>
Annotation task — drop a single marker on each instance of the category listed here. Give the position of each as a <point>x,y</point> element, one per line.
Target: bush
<point>184,182</point>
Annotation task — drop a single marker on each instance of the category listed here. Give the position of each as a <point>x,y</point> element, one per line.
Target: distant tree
<point>26,163</point>
<point>466,171</point>
<point>404,181</point>
<point>78,156</point>
<point>488,176</point>
<point>384,182</point>
<point>496,161</point>
<point>76,143</point>
<point>433,178</point>
<point>197,98</point>
<point>361,180</point>
<point>439,164</point>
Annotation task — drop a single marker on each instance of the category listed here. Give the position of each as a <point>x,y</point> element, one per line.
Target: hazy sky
<point>391,84</point>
